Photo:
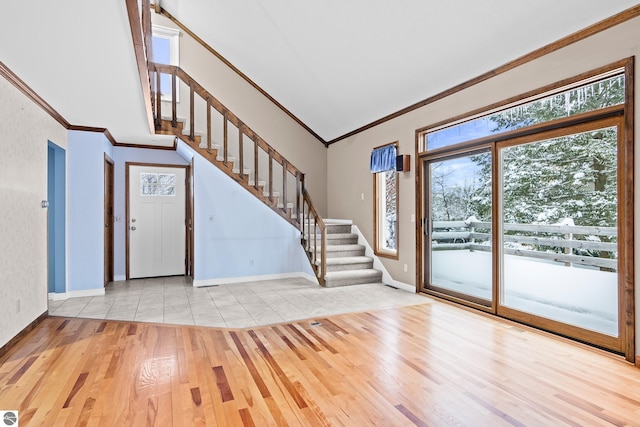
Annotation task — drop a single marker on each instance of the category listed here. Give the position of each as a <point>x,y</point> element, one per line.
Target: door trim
<point>190,221</point>
<point>187,169</point>
<point>109,199</point>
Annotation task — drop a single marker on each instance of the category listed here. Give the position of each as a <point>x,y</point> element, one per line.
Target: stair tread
<point>340,235</point>
<point>349,260</point>
<point>333,221</point>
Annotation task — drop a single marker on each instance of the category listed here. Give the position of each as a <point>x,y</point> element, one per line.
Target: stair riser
<point>353,281</point>
<point>349,241</point>
<point>342,241</point>
<point>338,228</point>
<point>331,228</point>
<point>339,254</point>
<point>347,267</point>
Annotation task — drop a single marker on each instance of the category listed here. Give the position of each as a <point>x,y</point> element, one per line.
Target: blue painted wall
<point>85,201</point>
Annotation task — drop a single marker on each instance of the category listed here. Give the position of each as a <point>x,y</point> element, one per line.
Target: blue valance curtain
<point>383,159</point>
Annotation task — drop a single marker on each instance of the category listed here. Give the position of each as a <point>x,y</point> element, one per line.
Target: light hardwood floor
<point>427,365</point>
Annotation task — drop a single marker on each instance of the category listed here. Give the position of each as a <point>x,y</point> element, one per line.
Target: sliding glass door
<point>550,259</point>
<point>527,210</point>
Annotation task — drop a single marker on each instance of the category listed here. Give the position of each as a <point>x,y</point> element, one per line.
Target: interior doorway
<point>56,218</point>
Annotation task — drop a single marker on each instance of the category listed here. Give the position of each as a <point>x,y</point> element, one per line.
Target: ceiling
<point>336,65</point>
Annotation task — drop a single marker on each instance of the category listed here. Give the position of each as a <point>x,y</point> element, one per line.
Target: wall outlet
<point>361,196</point>
<point>413,217</point>
<point>17,306</point>
<point>405,268</point>
<point>251,263</point>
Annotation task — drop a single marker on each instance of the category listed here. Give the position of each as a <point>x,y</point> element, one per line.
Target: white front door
<point>157,204</point>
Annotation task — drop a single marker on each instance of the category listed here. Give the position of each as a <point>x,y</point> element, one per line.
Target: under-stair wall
<point>288,137</point>
<point>237,237</point>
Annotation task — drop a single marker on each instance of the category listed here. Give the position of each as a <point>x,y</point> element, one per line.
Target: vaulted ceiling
<point>336,65</point>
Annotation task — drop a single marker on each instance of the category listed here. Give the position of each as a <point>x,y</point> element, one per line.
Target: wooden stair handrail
<point>231,117</point>
<point>311,212</point>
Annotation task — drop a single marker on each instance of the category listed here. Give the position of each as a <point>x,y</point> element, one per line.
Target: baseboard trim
<point>234,280</point>
<point>377,264</point>
<point>30,327</point>
<point>404,286</point>
<point>76,294</point>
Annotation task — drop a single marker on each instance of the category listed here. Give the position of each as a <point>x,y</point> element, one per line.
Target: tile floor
<point>174,300</point>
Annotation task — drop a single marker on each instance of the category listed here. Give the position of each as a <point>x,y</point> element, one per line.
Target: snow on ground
<point>582,297</point>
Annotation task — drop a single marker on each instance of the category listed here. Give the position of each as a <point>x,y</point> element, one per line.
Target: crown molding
<point>31,94</point>
<point>589,31</point>
<point>238,72</point>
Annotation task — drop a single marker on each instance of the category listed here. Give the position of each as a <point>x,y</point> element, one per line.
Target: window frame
<point>378,226</point>
<point>173,35</point>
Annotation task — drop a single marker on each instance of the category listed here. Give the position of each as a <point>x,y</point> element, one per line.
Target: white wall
<point>24,132</point>
<point>348,160</point>
<point>122,155</point>
<point>85,211</point>
<point>291,140</point>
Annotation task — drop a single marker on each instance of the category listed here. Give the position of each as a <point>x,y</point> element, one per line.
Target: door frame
<point>425,226</point>
<point>190,243</point>
<point>109,198</point>
<point>188,212</point>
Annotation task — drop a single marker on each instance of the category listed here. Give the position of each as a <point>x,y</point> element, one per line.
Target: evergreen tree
<point>568,177</point>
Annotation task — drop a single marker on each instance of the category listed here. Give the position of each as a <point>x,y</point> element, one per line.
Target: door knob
<point>133,228</point>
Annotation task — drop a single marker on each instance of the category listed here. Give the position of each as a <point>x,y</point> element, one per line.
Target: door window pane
<point>460,223</point>
<point>148,184</point>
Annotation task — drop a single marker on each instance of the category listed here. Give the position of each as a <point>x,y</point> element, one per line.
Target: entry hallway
<point>240,305</point>
<point>427,364</point>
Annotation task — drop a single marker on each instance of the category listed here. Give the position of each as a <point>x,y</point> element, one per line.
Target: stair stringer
<point>378,265</point>
<point>242,179</point>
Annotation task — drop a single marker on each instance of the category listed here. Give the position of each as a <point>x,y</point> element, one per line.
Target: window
<point>605,91</point>
<point>385,187</point>
<point>153,184</point>
<point>166,50</point>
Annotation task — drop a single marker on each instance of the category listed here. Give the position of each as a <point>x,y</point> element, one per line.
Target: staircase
<point>346,263</point>
<point>217,134</point>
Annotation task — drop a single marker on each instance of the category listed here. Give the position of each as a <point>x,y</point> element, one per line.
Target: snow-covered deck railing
<point>579,244</point>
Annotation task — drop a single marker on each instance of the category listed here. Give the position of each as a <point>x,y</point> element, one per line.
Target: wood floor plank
<point>433,364</point>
